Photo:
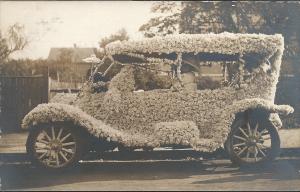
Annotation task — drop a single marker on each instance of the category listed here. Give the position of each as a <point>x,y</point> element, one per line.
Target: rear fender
<point>264,107</point>
<point>226,119</point>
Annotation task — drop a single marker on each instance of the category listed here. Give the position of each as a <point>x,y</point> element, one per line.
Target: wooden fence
<point>63,87</point>
<point>18,95</point>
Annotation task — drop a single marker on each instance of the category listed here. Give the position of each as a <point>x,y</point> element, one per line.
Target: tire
<point>260,147</point>
<point>63,150</point>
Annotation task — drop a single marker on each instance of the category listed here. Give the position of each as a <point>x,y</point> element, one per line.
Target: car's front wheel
<point>252,140</point>
<point>55,145</point>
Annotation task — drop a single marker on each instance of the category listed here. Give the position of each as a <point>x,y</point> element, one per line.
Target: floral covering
<point>66,98</point>
<point>225,43</point>
<point>201,119</point>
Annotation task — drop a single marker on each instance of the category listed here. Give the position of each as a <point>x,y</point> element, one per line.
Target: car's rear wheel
<point>55,145</point>
<point>252,140</point>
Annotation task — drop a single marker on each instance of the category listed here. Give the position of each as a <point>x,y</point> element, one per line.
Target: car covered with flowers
<point>239,114</point>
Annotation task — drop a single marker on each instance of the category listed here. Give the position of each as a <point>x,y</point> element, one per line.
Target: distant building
<point>77,55</point>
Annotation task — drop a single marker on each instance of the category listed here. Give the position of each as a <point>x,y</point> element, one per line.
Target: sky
<point>63,24</point>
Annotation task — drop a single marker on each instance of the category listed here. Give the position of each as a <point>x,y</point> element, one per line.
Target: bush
<point>23,67</point>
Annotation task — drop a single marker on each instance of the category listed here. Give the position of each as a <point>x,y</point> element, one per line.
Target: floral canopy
<point>177,49</point>
<point>223,43</point>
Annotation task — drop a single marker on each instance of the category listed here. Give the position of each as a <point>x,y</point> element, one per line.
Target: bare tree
<point>15,40</point>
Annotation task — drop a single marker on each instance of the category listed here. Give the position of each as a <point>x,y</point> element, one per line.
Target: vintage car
<point>238,114</point>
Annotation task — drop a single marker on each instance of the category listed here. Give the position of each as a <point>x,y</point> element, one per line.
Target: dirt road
<point>282,174</point>
<point>191,171</point>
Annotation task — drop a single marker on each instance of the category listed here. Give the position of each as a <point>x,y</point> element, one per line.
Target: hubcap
<point>251,143</point>
<point>55,147</point>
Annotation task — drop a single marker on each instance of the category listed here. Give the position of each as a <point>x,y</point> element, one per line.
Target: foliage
<point>3,48</point>
<point>165,23</point>
<point>204,17</point>
<point>15,40</point>
<point>120,35</point>
<point>23,67</point>
<point>218,16</point>
<point>27,67</point>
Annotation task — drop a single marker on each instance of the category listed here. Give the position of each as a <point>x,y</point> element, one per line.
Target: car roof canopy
<point>177,49</point>
<point>223,43</point>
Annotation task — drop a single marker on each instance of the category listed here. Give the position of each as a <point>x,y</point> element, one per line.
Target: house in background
<point>74,57</point>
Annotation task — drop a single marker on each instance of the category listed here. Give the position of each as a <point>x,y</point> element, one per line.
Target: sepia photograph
<point>149,95</point>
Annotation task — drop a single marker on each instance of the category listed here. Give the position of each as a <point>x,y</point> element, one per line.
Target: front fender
<point>54,112</point>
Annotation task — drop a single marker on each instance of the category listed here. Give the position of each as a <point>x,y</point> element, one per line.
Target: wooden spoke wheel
<point>252,141</point>
<point>55,146</point>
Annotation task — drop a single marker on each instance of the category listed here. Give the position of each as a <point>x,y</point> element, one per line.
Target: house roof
<point>77,53</point>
